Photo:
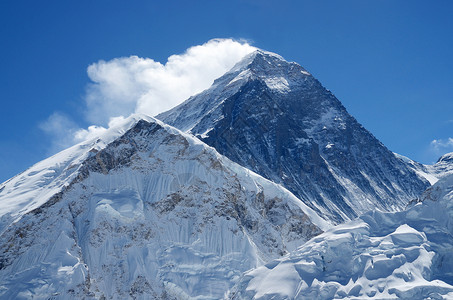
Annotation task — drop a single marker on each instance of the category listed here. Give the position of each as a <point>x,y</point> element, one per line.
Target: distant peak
<point>446,158</point>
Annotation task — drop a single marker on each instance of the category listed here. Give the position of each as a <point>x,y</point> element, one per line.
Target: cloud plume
<point>126,85</point>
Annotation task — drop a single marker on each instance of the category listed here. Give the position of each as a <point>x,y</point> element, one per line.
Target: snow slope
<point>404,255</point>
<point>273,117</point>
<point>145,211</point>
<point>34,187</point>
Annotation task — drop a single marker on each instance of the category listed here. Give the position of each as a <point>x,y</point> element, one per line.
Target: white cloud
<point>61,129</point>
<point>65,132</point>
<point>89,133</point>
<point>442,143</point>
<point>94,130</point>
<point>441,146</point>
<point>126,85</point>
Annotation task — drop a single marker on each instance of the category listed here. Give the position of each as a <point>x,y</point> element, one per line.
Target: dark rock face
<point>276,119</point>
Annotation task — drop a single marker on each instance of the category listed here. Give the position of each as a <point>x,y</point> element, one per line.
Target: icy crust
<point>35,186</point>
<point>404,255</point>
<point>154,214</point>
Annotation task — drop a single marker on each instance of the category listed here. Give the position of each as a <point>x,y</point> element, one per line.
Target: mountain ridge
<point>154,213</point>
<point>275,118</point>
<point>433,172</point>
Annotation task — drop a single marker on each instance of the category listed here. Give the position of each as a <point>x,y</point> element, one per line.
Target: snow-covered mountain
<point>273,117</point>
<point>403,255</point>
<point>148,211</point>
<point>143,211</point>
<point>443,167</point>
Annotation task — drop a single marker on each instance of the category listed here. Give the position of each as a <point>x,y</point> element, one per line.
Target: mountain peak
<point>279,75</point>
<point>446,158</point>
<point>264,63</point>
<point>256,57</point>
<point>135,217</point>
<point>274,118</point>
<point>263,67</point>
<point>49,176</point>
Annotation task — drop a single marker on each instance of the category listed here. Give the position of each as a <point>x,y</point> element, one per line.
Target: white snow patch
<point>244,75</point>
<point>279,84</point>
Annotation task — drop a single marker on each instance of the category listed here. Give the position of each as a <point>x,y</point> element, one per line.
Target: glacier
<point>401,255</point>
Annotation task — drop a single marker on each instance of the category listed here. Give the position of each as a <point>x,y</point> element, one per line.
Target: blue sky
<point>389,62</point>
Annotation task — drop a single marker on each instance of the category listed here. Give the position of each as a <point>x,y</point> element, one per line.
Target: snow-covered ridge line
<point>249,58</point>
<point>194,141</point>
<point>315,218</point>
<point>36,185</point>
<point>48,177</point>
<point>432,173</point>
<point>320,222</point>
<point>229,84</point>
